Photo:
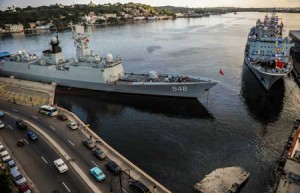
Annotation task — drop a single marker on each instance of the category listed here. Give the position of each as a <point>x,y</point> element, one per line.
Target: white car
<point>5,156</point>
<point>1,125</point>
<point>1,147</point>
<point>72,125</point>
<point>60,165</point>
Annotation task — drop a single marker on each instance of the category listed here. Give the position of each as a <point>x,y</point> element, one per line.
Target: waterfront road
<point>70,141</point>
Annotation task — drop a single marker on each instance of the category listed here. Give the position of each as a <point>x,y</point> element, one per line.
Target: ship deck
<point>161,78</point>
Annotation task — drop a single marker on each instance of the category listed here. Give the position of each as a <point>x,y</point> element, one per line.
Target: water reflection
<point>115,103</point>
<point>264,106</point>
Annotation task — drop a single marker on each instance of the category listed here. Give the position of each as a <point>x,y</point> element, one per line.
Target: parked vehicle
<point>97,173</point>
<point>113,167</point>
<point>1,146</point>
<point>17,177</point>
<point>89,143</point>
<point>60,165</point>
<point>32,136</point>
<point>72,125</point>
<point>99,153</point>
<point>138,187</point>
<point>1,125</point>
<point>12,165</point>
<point>1,114</point>
<point>62,117</point>
<point>21,124</point>
<point>5,157</point>
<point>24,189</point>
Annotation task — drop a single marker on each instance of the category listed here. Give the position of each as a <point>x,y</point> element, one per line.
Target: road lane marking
<point>15,110</point>
<point>94,163</point>
<point>44,160</point>
<point>26,141</point>
<point>10,127</point>
<point>35,117</point>
<point>124,190</point>
<point>66,187</point>
<point>52,128</point>
<point>71,142</point>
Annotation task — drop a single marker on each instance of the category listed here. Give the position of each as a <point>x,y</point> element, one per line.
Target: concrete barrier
<point>124,163</point>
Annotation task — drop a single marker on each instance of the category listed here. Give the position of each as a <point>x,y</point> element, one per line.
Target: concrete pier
<point>26,93</point>
<point>223,180</point>
<point>288,169</point>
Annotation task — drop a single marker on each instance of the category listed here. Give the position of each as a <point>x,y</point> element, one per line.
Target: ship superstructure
<point>90,71</point>
<point>267,53</point>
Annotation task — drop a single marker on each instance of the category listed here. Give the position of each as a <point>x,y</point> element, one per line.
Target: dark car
<point>138,187</point>
<point>99,153</point>
<point>89,143</point>
<point>24,189</point>
<point>21,124</point>
<point>32,136</point>
<point>62,117</point>
<point>113,167</point>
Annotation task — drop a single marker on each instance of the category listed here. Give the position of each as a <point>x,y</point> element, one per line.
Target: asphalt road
<point>37,157</point>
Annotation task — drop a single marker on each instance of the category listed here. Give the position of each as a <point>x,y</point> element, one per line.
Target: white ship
<point>267,53</point>
<point>90,71</point>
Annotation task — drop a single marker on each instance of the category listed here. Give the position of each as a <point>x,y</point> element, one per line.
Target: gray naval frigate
<point>90,71</point>
<point>267,53</point>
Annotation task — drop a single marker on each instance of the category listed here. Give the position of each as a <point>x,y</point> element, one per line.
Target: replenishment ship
<point>267,53</point>
<point>90,71</point>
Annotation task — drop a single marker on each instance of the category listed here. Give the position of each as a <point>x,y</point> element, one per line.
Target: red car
<point>24,189</point>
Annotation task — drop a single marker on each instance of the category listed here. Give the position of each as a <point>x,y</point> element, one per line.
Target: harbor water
<point>179,141</point>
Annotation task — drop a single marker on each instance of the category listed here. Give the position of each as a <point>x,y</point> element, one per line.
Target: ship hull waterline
<point>192,89</point>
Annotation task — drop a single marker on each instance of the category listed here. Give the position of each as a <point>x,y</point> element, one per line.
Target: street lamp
<point>120,179</point>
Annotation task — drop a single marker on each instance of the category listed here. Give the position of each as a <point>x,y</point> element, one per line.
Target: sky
<point>183,3</point>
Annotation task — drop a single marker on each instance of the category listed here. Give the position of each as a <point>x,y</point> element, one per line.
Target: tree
<point>4,184</point>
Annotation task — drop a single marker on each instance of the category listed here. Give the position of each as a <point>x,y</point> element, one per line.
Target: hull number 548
<point>179,88</point>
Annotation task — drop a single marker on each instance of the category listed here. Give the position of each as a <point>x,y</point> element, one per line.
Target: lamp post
<point>120,179</point>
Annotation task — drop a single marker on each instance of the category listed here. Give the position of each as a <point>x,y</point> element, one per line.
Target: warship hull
<point>84,79</point>
<point>266,79</point>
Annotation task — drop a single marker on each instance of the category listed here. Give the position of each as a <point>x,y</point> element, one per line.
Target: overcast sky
<point>190,3</point>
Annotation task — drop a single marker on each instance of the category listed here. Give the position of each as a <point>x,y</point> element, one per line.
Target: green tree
<point>4,184</point>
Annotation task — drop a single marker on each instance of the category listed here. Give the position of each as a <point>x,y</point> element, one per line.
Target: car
<point>21,124</point>
<point>1,146</point>
<point>138,187</point>
<point>113,167</point>
<point>97,173</point>
<point>32,136</point>
<point>17,177</point>
<point>5,157</point>
<point>24,189</point>
<point>62,117</point>
<point>1,114</point>
<point>60,165</point>
<point>89,143</point>
<point>99,153</point>
<point>1,125</point>
<point>72,125</point>
<point>12,165</point>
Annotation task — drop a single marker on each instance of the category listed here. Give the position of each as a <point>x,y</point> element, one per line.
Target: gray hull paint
<point>266,80</point>
<point>194,90</point>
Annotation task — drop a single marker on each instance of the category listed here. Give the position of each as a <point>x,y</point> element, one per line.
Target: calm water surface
<point>178,141</point>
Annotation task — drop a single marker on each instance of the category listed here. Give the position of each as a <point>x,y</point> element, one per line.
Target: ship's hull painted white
<point>267,80</point>
<point>87,79</point>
